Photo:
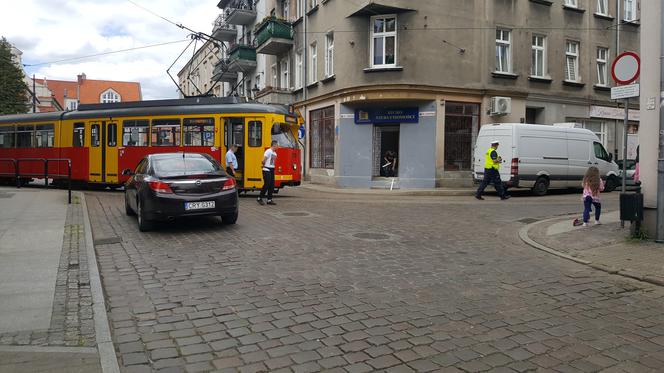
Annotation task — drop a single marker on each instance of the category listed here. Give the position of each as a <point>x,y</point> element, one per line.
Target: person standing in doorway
<point>492,172</point>
<point>231,160</point>
<point>269,158</point>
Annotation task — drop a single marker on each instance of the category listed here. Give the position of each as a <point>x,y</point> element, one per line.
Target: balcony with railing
<point>238,12</point>
<point>273,36</point>
<point>222,74</point>
<point>241,58</point>
<point>223,30</point>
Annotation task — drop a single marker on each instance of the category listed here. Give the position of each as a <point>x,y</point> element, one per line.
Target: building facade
<point>416,80</point>
<point>69,94</point>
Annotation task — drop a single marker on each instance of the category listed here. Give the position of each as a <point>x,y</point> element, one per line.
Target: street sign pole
<point>624,163</point>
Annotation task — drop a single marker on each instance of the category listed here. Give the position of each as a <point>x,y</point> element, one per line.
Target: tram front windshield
<point>284,137</point>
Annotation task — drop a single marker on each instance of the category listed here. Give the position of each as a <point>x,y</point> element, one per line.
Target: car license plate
<point>199,205</point>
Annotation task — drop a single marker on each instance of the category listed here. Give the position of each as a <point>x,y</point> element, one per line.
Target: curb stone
<point>107,357</point>
<point>523,235</point>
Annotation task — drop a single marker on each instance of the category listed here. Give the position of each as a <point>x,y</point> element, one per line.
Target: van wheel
<point>611,184</point>
<point>541,186</point>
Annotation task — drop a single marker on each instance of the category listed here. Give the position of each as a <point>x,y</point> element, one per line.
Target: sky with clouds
<point>52,30</point>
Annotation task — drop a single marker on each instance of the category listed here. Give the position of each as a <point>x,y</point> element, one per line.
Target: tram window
<point>198,132</point>
<point>25,136</point>
<point>94,135</point>
<point>7,137</point>
<point>45,136</point>
<point>255,134</point>
<point>283,136</point>
<point>135,132</point>
<point>79,135</point>
<point>112,134</point>
<point>166,132</point>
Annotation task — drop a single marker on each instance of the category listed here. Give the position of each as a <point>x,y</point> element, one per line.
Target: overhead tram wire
<point>103,54</point>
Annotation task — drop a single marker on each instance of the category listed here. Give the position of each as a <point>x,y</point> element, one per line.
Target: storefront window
<point>461,127</point>
<point>322,138</point>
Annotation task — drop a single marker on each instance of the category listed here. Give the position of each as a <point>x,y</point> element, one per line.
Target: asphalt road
<point>325,282</point>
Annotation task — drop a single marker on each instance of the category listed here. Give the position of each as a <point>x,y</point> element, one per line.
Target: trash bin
<point>631,206</point>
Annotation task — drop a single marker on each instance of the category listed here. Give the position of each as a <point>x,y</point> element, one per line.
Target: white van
<point>544,156</point>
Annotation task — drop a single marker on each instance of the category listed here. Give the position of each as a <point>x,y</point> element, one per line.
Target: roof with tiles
<point>91,89</point>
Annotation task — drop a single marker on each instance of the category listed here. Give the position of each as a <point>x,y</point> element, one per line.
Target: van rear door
<point>488,133</point>
<point>579,160</point>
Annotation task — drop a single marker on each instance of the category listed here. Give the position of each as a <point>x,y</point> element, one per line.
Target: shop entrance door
<point>461,128</point>
<point>386,151</point>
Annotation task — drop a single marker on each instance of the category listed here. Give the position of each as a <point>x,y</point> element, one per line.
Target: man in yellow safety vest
<point>491,172</point>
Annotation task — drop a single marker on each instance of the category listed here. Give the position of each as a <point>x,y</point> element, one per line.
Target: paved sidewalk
<point>442,192</point>
<point>47,318</point>
<point>606,247</point>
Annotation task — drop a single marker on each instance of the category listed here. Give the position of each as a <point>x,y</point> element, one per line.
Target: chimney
<point>81,78</point>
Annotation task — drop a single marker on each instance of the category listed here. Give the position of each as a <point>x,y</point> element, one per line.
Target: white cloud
<point>51,30</point>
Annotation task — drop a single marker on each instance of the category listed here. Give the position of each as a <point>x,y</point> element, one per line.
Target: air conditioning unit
<point>500,105</point>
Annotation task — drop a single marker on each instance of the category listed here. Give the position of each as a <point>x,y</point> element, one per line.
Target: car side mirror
<point>610,157</point>
<point>127,172</point>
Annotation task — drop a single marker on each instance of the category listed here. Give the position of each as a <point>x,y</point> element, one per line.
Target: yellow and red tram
<point>103,139</point>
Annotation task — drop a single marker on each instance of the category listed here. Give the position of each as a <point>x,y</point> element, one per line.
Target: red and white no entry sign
<point>626,68</point>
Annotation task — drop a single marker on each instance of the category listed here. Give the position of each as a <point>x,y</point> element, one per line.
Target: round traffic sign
<point>626,68</point>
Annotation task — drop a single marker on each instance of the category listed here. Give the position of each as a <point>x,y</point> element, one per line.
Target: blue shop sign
<point>378,116</point>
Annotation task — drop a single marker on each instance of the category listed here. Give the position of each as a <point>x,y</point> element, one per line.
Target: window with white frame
<point>602,66</point>
<point>503,51</point>
<point>598,128</point>
<point>572,61</point>
<point>538,67</point>
<point>603,7</point>
<point>329,54</point>
<point>572,3</point>
<point>285,73</point>
<point>299,8</point>
<point>275,76</point>
<point>71,103</point>
<point>109,96</point>
<point>313,63</point>
<point>285,9</point>
<point>298,70</point>
<point>384,41</point>
<point>630,10</point>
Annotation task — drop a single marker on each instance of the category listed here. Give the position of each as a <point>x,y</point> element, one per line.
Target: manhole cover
<point>372,236</point>
<point>107,241</point>
<point>527,220</point>
<point>295,214</point>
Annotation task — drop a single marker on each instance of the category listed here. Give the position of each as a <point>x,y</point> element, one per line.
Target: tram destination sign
<point>382,116</point>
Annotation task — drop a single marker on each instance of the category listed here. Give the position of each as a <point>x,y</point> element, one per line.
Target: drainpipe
<point>660,159</point>
<point>305,63</point>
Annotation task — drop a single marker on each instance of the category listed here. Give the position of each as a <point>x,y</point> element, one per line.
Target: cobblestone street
<point>326,282</point>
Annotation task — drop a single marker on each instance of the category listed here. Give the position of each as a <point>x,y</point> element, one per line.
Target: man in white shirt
<point>231,160</point>
<point>269,158</point>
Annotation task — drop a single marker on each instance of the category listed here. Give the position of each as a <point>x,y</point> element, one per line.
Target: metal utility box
<point>631,206</point>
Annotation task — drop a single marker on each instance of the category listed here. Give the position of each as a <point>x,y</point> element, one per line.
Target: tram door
<point>253,154</point>
<point>103,166</point>
<point>234,134</point>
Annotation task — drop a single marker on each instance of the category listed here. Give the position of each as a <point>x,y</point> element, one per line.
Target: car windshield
<point>186,166</point>
<point>283,136</point>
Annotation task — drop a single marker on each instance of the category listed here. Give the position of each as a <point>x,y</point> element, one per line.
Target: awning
<point>372,8</point>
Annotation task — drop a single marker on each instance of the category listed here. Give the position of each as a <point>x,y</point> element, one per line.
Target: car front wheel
<point>128,209</point>
<point>144,225</point>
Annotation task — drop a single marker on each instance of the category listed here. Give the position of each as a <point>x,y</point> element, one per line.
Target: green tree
<point>13,90</point>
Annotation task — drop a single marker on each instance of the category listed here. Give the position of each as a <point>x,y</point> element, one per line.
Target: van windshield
<point>283,136</point>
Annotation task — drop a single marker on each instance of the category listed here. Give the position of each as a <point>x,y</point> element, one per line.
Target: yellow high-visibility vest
<point>488,162</point>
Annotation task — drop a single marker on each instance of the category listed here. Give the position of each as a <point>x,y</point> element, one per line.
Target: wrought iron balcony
<point>222,74</point>
<point>241,58</point>
<point>239,12</point>
<point>223,30</point>
<point>274,36</point>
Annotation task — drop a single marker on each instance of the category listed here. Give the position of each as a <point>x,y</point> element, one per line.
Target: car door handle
<point>590,163</point>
